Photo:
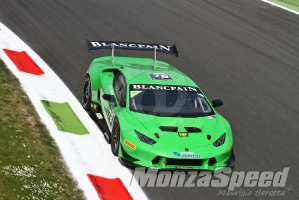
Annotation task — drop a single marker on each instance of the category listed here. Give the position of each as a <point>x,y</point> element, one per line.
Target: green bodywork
<point>172,150</point>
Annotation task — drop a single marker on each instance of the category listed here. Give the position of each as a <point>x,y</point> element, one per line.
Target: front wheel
<point>86,95</point>
<point>115,137</point>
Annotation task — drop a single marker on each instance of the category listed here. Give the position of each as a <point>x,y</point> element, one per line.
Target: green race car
<point>154,115</point>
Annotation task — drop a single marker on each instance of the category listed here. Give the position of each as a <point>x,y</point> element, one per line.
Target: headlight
<point>220,141</point>
<point>145,139</point>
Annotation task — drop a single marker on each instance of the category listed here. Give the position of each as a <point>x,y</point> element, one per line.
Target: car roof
<point>138,70</point>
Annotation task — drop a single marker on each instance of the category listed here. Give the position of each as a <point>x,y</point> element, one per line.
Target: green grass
<point>30,163</point>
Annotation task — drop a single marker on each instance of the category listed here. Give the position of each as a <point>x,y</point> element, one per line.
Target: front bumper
<point>161,162</point>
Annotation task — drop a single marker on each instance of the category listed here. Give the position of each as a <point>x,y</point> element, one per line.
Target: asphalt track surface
<point>245,52</point>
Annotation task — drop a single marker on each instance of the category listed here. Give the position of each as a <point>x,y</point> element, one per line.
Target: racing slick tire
<point>86,95</point>
<point>115,137</point>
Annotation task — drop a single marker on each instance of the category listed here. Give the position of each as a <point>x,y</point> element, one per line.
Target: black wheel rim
<point>86,92</point>
<point>115,139</point>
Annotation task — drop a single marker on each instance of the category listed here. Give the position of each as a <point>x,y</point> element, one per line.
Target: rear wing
<point>95,45</point>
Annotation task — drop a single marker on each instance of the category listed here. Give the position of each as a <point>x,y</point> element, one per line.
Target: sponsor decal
<point>183,134</point>
<point>159,47</point>
<point>111,115</point>
<point>164,87</point>
<point>106,135</point>
<point>160,77</point>
<point>190,155</point>
<point>94,106</point>
<point>134,93</point>
<point>99,115</point>
<point>212,117</point>
<point>129,144</point>
<point>111,89</point>
<point>183,167</point>
<point>232,183</point>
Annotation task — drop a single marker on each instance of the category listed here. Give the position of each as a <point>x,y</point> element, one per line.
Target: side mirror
<point>217,103</point>
<point>109,97</point>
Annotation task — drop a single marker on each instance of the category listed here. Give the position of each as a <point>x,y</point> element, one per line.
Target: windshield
<point>168,100</point>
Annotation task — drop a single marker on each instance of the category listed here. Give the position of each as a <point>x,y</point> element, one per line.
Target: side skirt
<point>98,117</point>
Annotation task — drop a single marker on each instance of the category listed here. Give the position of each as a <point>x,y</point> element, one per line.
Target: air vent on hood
<point>175,129</point>
<point>169,128</point>
<point>193,130</point>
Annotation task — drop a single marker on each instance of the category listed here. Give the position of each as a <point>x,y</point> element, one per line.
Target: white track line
<point>280,6</point>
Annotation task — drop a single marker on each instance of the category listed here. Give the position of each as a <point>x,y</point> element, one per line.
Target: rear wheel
<point>115,137</point>
<point>86,95</point>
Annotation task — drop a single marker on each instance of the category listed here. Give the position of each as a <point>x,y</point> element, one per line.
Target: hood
<point>192,132</point>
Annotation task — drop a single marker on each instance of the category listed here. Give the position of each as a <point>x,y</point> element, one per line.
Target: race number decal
<point>111,116</point>
<point>160,77</point>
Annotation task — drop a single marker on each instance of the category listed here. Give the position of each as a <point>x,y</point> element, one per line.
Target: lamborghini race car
<point>154,115</point>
